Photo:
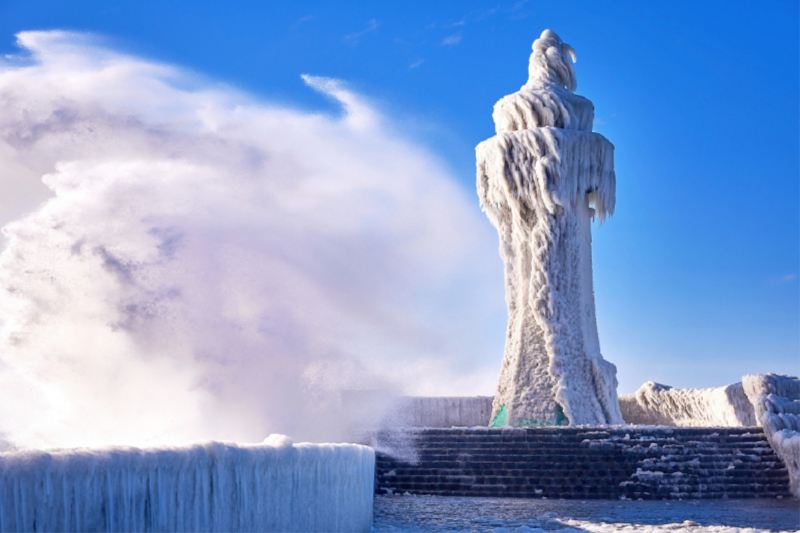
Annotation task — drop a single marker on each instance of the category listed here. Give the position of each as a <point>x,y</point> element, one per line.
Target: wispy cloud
<point>302,20</point>
<point>517,12</point>
<point>353,38</point>
<point>461,22</point>
<point>483,15</point>
<point>784,279</point>
<point>452,40</point>
<point>416,63</point>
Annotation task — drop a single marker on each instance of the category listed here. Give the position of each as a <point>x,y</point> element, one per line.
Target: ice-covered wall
<point>541,180</point>
<point>275,486</point>
<point>656,404</point>
<point>372,409</point>
<point>442,412</point>
<point>776,399</point>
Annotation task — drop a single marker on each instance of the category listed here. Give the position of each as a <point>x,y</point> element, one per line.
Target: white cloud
<point>354,38</point>
<point>302,20</point>
<point>452,40</point>
<point>461,22</point>
<point>211,266</point>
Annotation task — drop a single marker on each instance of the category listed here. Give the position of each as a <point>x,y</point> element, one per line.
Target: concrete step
<point>733,475</point>
<point>646,463</point>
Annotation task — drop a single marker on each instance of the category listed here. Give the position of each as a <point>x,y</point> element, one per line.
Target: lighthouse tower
<point>542,179</point>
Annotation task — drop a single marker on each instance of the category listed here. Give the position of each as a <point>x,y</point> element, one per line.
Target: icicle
<point>208,487</point>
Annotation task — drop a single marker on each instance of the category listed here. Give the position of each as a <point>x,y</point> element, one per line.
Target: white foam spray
<point>208,266</point>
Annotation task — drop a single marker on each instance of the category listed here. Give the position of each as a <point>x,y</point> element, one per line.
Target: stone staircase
<point>583,463</point>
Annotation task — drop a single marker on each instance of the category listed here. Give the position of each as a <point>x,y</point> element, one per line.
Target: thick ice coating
<point>550,61</point>
<point>657,404</point>
<point>274,486</point>
<point>547,99</point>
<point>541,180</point>
<point>776,399</point>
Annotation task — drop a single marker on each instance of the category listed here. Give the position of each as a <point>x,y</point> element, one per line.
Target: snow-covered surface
<point>776,399</point>
<point>656,404</point>
<point>274,486</point>
<point>541,180</point>
<point>498,515</point>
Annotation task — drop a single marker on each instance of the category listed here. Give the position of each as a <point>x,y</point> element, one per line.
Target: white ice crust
<point>771,401</point>
<point>206,487</point>
<point>776,399</point>
<point>541,180</point>
<point>656,404</point>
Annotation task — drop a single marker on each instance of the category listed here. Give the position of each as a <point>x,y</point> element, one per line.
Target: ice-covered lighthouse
<point>541,180</point>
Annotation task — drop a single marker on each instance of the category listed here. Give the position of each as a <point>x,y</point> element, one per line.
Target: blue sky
<point>696,274</point>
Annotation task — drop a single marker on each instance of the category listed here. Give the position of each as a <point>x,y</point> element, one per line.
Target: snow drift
<point>275,486</point>
<point>541,180</point>
<point>656,404</point>
<point>776,399</point>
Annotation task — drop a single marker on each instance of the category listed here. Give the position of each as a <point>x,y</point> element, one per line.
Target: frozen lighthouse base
<point>541,180</point>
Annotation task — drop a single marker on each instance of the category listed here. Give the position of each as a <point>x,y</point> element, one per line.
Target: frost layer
<point>275,486</point>
<point>541,180</point>
<point>776,399</point>
<point>656,404</point>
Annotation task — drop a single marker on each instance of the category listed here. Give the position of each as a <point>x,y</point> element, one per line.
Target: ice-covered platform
<point>586,463</point>
<point>276,486</point>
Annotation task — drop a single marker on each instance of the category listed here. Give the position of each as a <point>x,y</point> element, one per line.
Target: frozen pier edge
<point>275,486</point>
<point>541,180</point>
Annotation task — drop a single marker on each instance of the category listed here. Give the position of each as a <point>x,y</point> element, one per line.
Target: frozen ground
<point>506,515</point>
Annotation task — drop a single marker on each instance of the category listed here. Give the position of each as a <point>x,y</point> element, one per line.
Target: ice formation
<point>275,486</point>
<point>656,404</point>
<point>541,180</point>
<point>771,401</point>
<point>776,399</point>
